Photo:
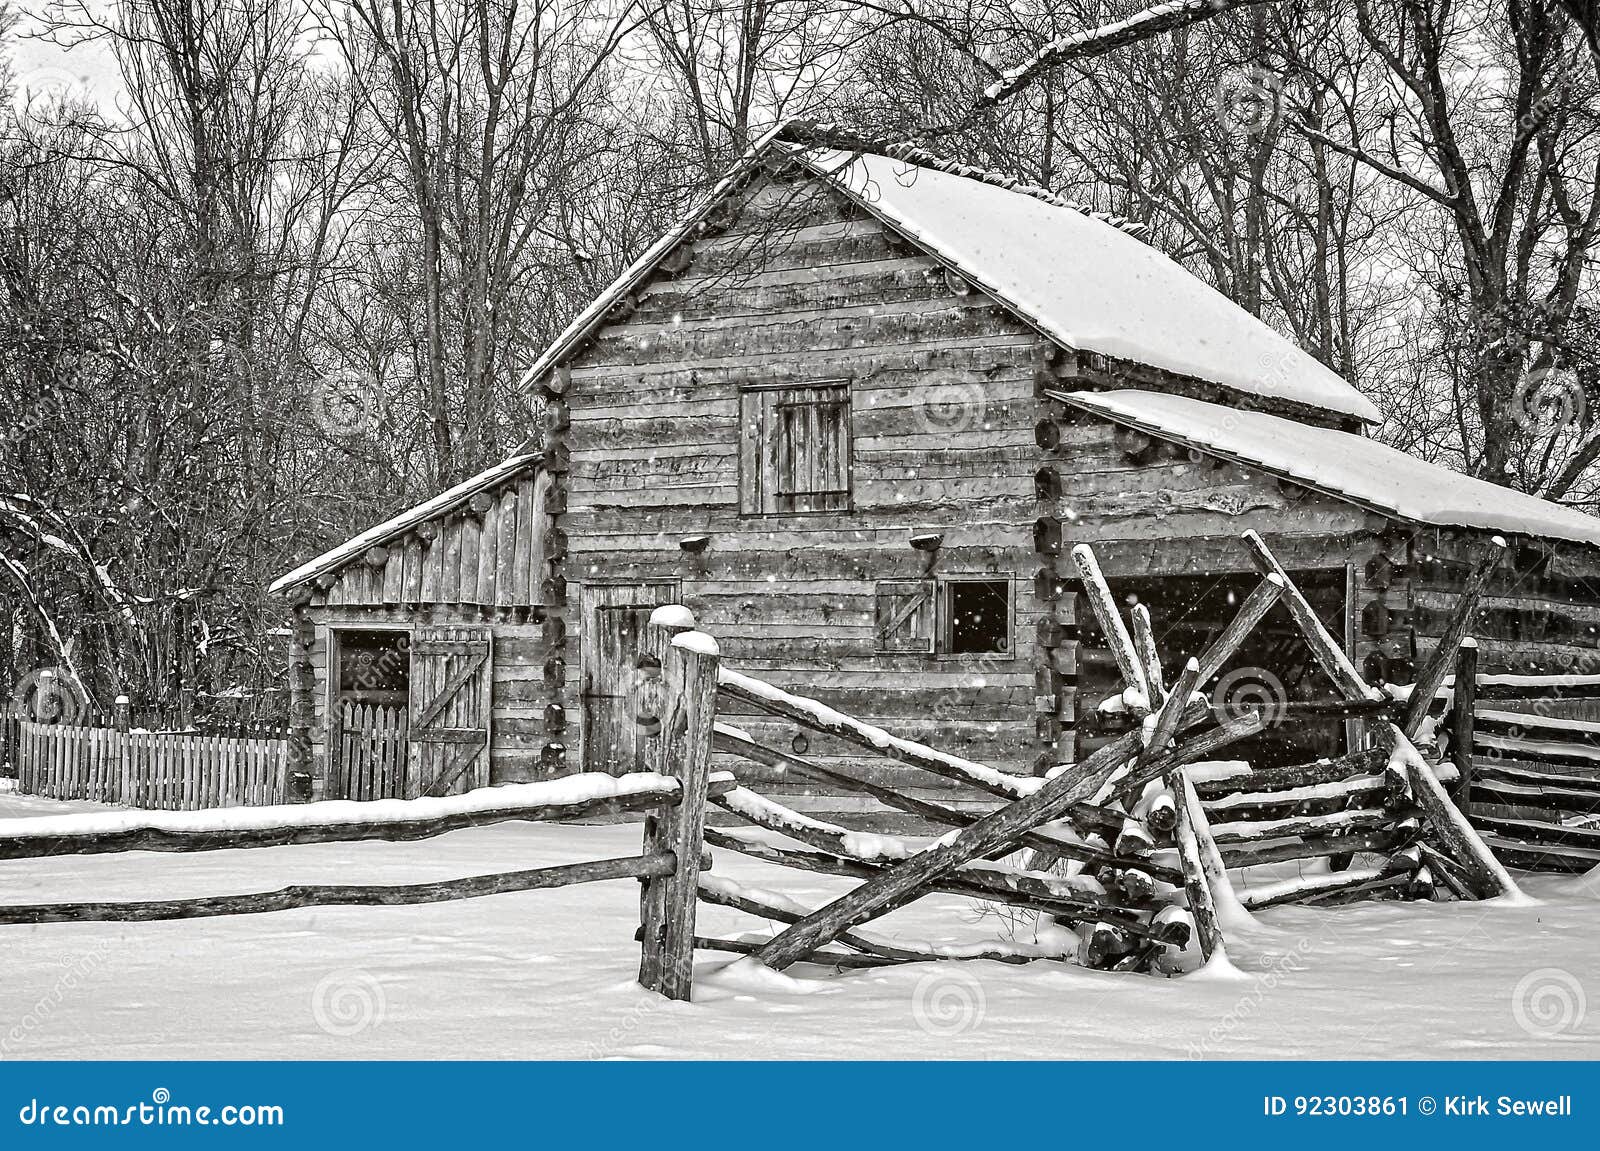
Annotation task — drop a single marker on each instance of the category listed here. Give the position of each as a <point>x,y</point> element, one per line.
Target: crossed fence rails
<point>1121,846</point>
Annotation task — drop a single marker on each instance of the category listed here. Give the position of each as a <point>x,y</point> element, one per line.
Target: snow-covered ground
<point>549,974</point>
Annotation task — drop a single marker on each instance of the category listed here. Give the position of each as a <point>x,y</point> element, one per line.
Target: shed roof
<point>1343,464</point>
<point>1077,277</point>
<point>400,524</point>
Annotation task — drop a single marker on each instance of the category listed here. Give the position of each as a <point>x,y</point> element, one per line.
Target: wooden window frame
<point>757,430</point>
<point>330,694</point>
<point>943,618</point>
<point>939,638</point>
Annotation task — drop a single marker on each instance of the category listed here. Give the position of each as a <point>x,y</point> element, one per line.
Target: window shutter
<point>905,615</point>
<point>795,448</point>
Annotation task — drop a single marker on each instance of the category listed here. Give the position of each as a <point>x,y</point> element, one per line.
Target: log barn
<point>854,411</point>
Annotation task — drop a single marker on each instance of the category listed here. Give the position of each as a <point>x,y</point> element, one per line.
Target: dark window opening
<point>1272,668</point>
<point>374,666</point>
<point>978,617</point>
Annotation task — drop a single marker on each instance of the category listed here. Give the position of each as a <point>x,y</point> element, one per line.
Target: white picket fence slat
<point>175,772</point>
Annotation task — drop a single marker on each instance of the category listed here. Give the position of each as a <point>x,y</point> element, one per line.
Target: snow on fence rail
<point>668,865</point>
<point>162,770</point>
<point>1130,857</point>
<point>1529,783</point>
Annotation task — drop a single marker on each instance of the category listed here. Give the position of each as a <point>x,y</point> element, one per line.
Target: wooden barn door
<point>451,672</point>
<point>614,619</point>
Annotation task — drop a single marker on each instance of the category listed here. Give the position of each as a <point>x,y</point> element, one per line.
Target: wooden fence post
<point>299,767</point>
<point>688,713</point>
<point>651,688</point>
<point>1463,719</point>
<point>1431,677</point>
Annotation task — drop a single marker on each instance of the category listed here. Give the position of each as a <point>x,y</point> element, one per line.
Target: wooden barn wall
<point>1151,508</point>
<point>1540,613</point>
<point>493,557</point>
<point>518,695</point>
<point>802,288</point>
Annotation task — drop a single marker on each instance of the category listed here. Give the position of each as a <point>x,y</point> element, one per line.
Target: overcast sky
<point>41,65</point>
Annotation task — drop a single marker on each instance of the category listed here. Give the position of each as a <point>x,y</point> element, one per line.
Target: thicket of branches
<point>284,282</point>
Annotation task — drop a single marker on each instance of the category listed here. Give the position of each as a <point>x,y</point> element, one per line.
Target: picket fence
<point>163,770</point>
<point>370,762</point>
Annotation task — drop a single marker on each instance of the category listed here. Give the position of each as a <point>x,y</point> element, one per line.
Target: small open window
<point>953,615</point>
<point>975,617</point>
<point>374,666</point>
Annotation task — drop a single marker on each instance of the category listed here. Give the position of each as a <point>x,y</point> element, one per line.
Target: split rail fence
<point>665,867</point>
<point>1129,850</point>
<point>1529,782</point>
<point>1121,849</point>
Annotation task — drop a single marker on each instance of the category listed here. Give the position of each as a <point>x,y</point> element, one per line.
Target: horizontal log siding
<point>1514,625</point>
<point>655,443</point>
<point>518,699</point>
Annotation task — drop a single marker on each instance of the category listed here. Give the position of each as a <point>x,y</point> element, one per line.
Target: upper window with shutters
<point>794,448</point>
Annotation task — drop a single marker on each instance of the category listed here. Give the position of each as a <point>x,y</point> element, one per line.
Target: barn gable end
<point>801,290</point>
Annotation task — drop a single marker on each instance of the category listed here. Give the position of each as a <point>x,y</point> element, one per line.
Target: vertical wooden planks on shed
<point>449,545</point>
<point>471,529</point>
<point>488,544</point>
<point>411,579</point>
<point>505,550</point>
<point>432,567</point>
<point>524,589</point>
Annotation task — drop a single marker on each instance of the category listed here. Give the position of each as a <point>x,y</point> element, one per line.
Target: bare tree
<point>1488,122</point>
<point>735,66</point>
<point>482,105</point>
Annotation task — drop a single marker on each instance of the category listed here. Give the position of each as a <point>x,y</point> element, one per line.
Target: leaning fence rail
<point>172,771</point>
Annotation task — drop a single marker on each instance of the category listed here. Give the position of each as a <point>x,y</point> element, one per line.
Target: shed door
<point>451,670</point>
<point>614,619</point>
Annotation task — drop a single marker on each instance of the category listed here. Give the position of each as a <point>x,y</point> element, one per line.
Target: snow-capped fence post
<point>650,707</point>
<point>687,714</point>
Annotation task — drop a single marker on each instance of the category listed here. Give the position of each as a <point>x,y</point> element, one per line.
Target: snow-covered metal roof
<point>398,525</point>
<point>1088,284</point>
<point>1078,278</point>
<point>1342,464</point>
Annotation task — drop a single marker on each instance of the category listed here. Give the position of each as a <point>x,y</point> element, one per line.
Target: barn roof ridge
<point>1124,299</point>
<point>811,134</point>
